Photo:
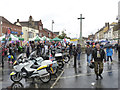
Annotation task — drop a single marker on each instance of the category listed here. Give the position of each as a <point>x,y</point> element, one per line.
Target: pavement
<point>70,77</point>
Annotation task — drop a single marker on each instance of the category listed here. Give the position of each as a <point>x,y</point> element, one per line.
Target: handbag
<point>92,65</point>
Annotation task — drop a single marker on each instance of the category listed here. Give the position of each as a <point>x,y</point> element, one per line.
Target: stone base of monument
<point>82,43</point>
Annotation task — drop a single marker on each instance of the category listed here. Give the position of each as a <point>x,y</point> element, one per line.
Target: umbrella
<point>104,41</point>
<point>56,39</point>
<point>107,45</point>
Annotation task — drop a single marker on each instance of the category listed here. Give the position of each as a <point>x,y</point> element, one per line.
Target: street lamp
<point>1,28</point>
<point>52,27</point>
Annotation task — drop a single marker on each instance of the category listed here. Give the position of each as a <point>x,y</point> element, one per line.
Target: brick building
<point>5,25</point>
<point>37,25</point>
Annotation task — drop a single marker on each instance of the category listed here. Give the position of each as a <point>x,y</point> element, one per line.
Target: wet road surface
<point>69,77</point>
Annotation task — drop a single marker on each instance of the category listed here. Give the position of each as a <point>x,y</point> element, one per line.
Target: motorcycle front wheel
<point>45,78</point>
<point>60,64</point>
<point>17,85</point>
<point>16,78</point>
<point>66,59</point>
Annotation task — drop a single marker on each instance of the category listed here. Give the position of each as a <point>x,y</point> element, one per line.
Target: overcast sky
<point>63,12</point>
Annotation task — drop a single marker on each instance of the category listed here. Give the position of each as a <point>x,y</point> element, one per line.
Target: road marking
<point>83,75</point>
<point>57,79</point>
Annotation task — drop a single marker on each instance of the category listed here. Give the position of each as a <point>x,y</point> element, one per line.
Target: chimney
<point>107,24</point>
<point>17,20</point>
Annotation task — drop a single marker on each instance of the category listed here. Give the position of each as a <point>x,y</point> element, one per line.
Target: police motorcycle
<point>40,61</point>
<point>59,56</point>
<point>65,54</point>
<point>24,68</point>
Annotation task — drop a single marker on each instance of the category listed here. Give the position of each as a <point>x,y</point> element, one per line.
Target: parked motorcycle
<point>60,56</point>
<point>23,69</point>
<point>40,61</point>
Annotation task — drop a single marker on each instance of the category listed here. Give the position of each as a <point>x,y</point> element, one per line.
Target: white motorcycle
<point>40,61</point>
<point>22,69</point>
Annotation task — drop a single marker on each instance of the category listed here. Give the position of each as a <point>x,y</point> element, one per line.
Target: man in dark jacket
<point>118,48</point>
<point>98,55</point>
<point>38,49</point>
<point>70,49</point>
<point>75,55</point>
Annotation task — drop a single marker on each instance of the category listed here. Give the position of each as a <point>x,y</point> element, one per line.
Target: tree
<point>63,35</point>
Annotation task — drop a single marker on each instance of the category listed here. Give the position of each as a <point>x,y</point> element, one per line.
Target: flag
<point>9,30</point>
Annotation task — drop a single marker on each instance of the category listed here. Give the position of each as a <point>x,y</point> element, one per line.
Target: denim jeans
<point>89,58</point>
<point>109,57</point>
<point>78,56</point>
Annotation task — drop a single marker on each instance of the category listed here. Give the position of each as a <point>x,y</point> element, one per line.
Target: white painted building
<point>110,33</point>
<point>97,36</point>
<point>28,33</point>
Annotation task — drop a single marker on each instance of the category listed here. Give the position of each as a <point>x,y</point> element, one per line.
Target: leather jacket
<point>102,55</point>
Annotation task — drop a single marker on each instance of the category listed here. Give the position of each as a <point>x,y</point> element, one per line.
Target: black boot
<point>100,76</point>
<point>97,77</point>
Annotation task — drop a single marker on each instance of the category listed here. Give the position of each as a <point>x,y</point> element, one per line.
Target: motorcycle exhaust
<point>44,75</point>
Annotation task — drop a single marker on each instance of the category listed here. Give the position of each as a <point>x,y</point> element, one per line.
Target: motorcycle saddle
<point>35,66</point>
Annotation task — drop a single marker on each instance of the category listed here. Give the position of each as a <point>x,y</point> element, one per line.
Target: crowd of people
<point>99,54</point>
<point>11,50</point>
<point>94,51</point>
